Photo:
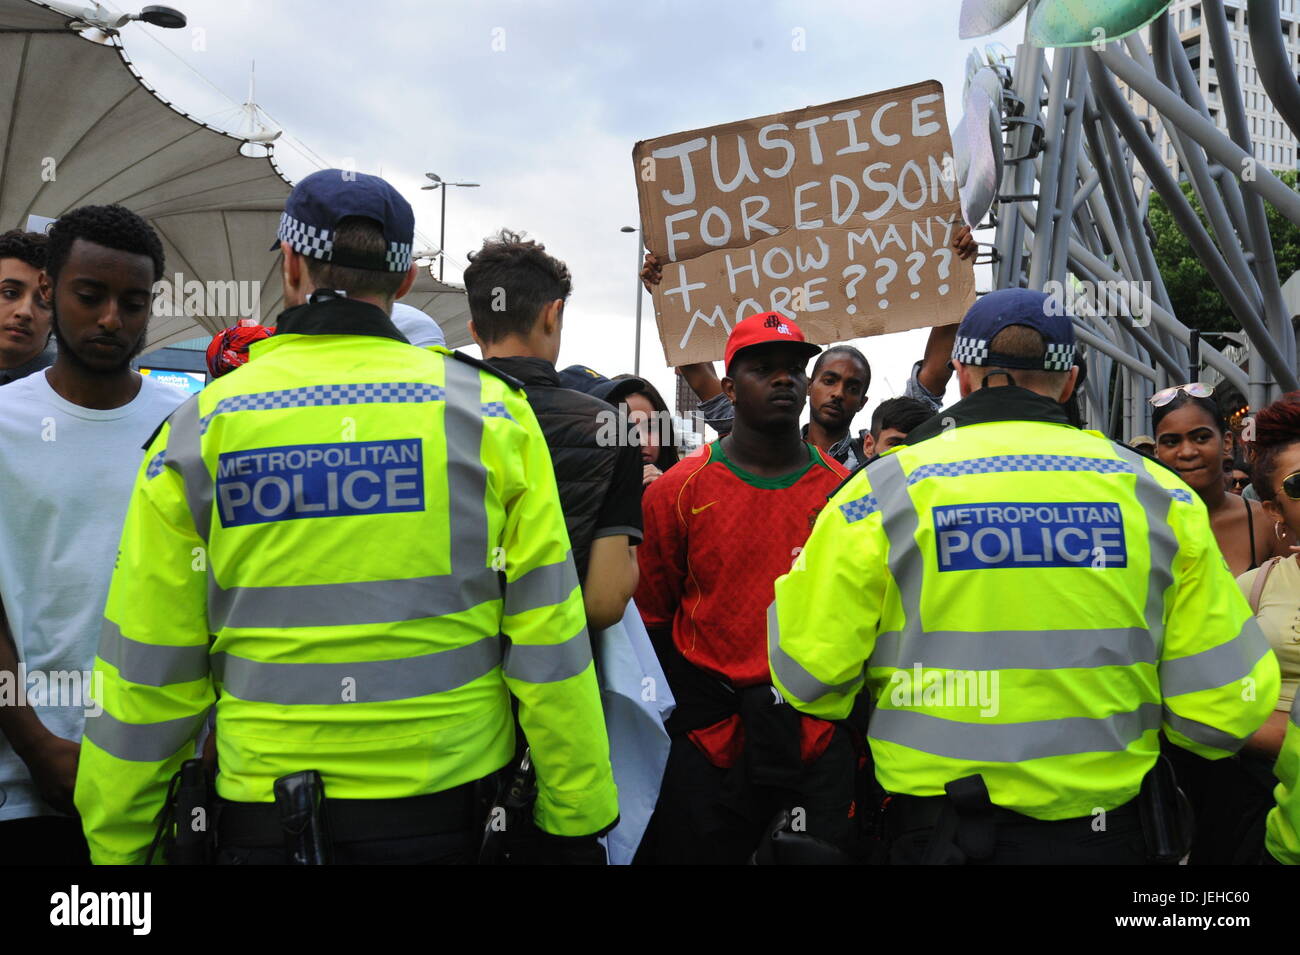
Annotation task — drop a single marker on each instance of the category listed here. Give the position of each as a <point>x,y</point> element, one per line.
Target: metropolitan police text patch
<point>1019,534</point>
<point>319,480</point>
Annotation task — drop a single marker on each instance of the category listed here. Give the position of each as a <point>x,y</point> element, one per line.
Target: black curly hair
<point>114,227</point>
<point>28,247</point>
<point>508,281</point>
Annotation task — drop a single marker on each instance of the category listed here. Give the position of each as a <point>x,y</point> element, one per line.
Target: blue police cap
<point>318,202</point>
<point>1015,306</point>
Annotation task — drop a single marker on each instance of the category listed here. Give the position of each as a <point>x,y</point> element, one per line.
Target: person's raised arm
<point>934,373</point>
<point>700,376</point>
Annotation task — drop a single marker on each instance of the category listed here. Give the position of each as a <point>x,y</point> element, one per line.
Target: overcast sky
<point>542,103</point>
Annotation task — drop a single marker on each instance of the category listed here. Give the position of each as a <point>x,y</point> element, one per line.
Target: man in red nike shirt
<point>720,527</point>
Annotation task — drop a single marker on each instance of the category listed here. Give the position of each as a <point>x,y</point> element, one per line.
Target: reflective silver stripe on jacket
<point>1218,666</point>
<point>791,672</point>
<point>547,663</point>
<point>542,586</point>
<point>983,741</point>
<point>183,455</point>
<point>371,681</point>
<point>148,663</point>
<point>1020,649</point>
<point>142,742</point>
<point>1162,544</point>
<point>1199,732</point>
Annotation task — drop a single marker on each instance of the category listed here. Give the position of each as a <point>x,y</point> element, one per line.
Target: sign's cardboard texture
<point>840,216</point>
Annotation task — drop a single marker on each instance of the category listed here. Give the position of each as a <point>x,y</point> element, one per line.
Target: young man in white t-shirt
<point>71,443</point>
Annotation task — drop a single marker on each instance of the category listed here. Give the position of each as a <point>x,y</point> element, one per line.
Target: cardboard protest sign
<point>840,216</point>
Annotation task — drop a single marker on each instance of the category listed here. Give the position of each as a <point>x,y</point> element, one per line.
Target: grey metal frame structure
<point>1079,168</point>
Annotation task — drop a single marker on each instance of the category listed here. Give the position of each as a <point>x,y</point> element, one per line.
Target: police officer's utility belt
<point>965,826</point>
<point>965,823</point>
<point>260,824</point>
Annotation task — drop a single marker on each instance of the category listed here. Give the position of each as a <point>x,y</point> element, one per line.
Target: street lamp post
<point>636,361</point>
<point>442,230</point>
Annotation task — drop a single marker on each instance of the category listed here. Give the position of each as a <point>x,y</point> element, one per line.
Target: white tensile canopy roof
<point>81,127</point>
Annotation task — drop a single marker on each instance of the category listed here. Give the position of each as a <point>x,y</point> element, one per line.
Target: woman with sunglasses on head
<point>1230,797</point>
<point>1193,439</point>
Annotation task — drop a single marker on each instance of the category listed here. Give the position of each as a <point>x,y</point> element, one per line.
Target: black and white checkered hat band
<point>398,256</point>
<point>305,239</point>
<point>970,351</point>
<point>1059,358</point>
<point>975,351</point>
<point>318,244</point>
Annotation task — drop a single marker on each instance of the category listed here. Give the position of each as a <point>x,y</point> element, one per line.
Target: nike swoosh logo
<point>696,510</point>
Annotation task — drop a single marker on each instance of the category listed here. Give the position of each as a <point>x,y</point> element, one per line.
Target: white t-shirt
<point>66,474</point>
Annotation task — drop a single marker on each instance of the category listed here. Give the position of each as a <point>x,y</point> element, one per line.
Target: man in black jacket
<point>516,301</point>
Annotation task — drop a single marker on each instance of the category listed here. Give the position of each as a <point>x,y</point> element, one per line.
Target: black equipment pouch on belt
<point>772,737</point>
<point>185,830</point>
<point>966,822</point>
<point>1166,815</point>
<point>300,800</point>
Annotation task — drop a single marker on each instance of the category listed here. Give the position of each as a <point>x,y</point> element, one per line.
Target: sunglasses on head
<point>1291,486</point>
<point>1196,389</point>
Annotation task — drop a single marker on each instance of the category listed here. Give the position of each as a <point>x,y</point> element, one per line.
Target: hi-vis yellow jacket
<point>1025,601</point>
<point>1282,838</point>
<point>356,549</point>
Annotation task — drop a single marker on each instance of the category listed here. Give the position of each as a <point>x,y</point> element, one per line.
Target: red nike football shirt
<point>716,539</point>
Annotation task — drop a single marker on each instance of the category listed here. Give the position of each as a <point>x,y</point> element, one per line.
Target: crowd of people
<point>349,593</point>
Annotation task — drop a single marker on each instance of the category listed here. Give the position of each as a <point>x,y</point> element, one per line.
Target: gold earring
<point>1279,530</point>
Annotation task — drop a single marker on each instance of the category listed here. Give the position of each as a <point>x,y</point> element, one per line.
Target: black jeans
<point>1231,799</point>
<point>705,816</point>
<point>445,848</point>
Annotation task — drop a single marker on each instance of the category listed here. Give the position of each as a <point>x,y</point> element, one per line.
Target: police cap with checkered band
<point>1015,306</point>
<point>762,329</point>
<point>318,202</point>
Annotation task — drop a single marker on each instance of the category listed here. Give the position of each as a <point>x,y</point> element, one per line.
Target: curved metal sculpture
<point>1080,166</point>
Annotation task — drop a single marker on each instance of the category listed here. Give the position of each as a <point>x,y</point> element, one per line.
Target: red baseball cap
<point>763,328</point>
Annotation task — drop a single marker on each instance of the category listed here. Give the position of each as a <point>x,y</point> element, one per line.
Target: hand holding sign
<point>801,213</point>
